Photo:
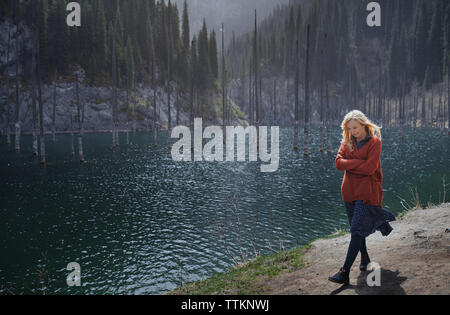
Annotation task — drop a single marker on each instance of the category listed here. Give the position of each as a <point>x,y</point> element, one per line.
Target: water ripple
<point>136,221</point>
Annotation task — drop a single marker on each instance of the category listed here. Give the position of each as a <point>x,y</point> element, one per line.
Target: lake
<point>139,223</point>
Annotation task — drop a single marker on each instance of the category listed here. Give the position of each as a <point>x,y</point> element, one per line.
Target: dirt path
<point>414,259</point>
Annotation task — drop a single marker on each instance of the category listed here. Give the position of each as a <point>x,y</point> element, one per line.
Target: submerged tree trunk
<point>33,104</point>
<point>169,122</point>
<point>178,108</point>
<point>8,118</point>
<point>230,107</point>
<point>307,109</point>
<point>191,114</point>
<point>400,110</point>
<point>423,122</point>
<point>322,121</point>
<point>257,100</point>
<point>275,118</point>
<point>33,82</point>
<point>114,94</point>
<point>432,107</point>
<point>296,109</point>
<point>223,86</point>
<point>71,135</point>
<point>134,104</point>
<point>8,123</point>
<point>416,108</point>
<point>17,125</point>
<point>155,112</point>
<point>250,98</point>
<point>54,108</point>
<point>388,111</point>
<point>439,114</point>
<point>41,109</point>
<point>328,118</point>
<point>448,104</point>
<point>80,147</point>
<point>80,109</point>
<point>128,108</point>
<point>327,112</point>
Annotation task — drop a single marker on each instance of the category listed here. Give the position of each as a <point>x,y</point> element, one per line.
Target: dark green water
<point>137,222</point>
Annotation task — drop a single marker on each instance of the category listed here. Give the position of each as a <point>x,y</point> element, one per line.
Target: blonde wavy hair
<point>357,115</point>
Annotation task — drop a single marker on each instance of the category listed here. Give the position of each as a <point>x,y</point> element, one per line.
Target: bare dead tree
<point>274,106</point>
<point>223,84</point>
<point>256,62</point>
<point>415,91</point>
<point>307,105</point>
<point>8,119</point>
<point>448,104</point>
<point>155,105</point>
<point>328,119</point>
<point>80,109</point>
<point>321,92</point>
<point>17,125</point>
<point>54,107</point>
<point>423,122</point>
<point>439,114</point>
<point>296,87</point>
<point>114,91</point>
<point>135,103</point>
<point>71,134</point>
<point>169,88</point>
<point>432,107</point>
<point>33,78</point>
<point>41,107</point>
<point>178,107</point>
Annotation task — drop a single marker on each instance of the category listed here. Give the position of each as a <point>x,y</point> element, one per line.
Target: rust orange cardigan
<point>363,175</point>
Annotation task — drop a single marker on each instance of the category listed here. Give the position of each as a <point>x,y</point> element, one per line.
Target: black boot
<point>342,277</point>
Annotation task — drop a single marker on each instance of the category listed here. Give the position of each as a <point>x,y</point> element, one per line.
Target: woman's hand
<point>345,164</point>
<point>369,166</point>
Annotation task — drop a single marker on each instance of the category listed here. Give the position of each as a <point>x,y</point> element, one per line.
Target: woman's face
<point>356,129</point>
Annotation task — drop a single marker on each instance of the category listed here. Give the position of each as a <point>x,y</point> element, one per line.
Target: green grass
<point>248,278</point>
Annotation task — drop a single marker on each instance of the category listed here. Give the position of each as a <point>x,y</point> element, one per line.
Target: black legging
<point>357,244</point>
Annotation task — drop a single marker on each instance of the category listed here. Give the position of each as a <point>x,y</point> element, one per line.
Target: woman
<point>360,157</point>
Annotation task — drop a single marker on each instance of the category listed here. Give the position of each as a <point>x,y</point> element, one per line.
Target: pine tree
<point>175,30</point>
<point>62,37</point>
<point>186,32</point>
<point>100,37</point>
<point>420,38</point>
<point>446,39</point>
<point>434,43</point>
<point>213,55</point>
<point>161,40</point>
<point>43,37</point>
<point>130,65</point>
<point>193,76</point>
<point>394,67</point>
<point>256,69</point>
<point>204,72</point>
<point>119,41</point>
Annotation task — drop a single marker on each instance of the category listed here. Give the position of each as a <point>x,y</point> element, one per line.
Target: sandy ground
<point>414,259</point>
